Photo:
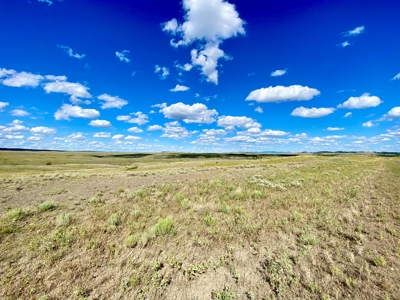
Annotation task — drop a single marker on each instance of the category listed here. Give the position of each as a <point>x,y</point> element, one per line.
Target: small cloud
<point>394,113</point>
<point>132,138</point>
<point>102,135</point>
<point>163,71</point>
<point>117,136</point>
<point>335,128</point>
<point>3,105</point>
<point>283,94</point>
<point>344,44</point>
<point>41,130</point>
<point>196,113</point>
<point>135,129</point>
<point>356,31</point>
<point>259,110</point>
<point>186,67</point>
<point>179,88</point>
<point>197,95</point>
<point>111,101</point>
<point>278,73</point>
<point>140,119</point>
<point>71,52</point>
<point>49,2</point>
<point>122,56</point>
<point>312,112</point>
<point>364,101</point>
<point>19,113</point>
<point>396,77</point>
<point>100,123</point>
<point>66,111</point>
<point>154,127</point>
<point>347,115</point>
<point>369,124</point>
<point>87,66</point>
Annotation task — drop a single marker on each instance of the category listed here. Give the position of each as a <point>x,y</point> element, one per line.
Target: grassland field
<point>92,225</point>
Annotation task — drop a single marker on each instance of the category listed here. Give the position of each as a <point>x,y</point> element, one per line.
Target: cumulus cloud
<point>394,112</point>
<point>196,113</point>
<point>186,67</point>
<point>396,77</point>
<point>111,101</point>
<point>209,22</point>
<point>160,105</point>
<point>278,73</point>
<point>163,72</point>
<point>3,105</point>
<point>132,138</point>
<point>76,136</point>
<point>102,135</point>
<point>347,115</point>
<point>179,88</point>
<point>335,128</point>
<point>19,113</point>
<point>364,101</point>
<point>283,93</point>
<point>174,130</point>
<point>369,124</point>
<point>70,52</point>
<point>75,90</point>
<point>122,56</point>
<point>117,136</point>
<point>135,129</point>
<point>356,31</point>
<point>140,119</point>
<point>42,130</point>
<point>256,131</point>
<point>210,136</point>
<point>66,111</point>
<point>100,123</point>
<point>312,112</point>
<point>154,127</point>
<point>231,122</point>
<point>20,79</point>
<point>259,110</point>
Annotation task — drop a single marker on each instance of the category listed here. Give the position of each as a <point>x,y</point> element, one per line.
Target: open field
<point>179,226</point>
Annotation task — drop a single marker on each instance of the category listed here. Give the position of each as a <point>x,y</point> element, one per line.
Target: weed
<point>225,294</point>
<point>135,213</point>
<point>307,239</point>
<point>278,271</point>
<point>379,261</point>
<point>95,200</point>
<point>209,220</point>
<point>18,214</point>
<point>350,281</point>
<point>48,205</point>
<point>131,241</point>
<point>119,191</point>
<point>114,221</point>
<point>64,219</point>
<point>165,226</point>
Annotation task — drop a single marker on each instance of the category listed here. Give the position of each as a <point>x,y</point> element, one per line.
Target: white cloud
<point>41,130</point>
<point>140,119</point>
<point>259,110</point>
<point>35,138</point>
<point>71,52</point>
<point>111,101</point>
<point>179,88</point>
<point>117,136</point>
<point>335,128</point>
<point>132,138</point>
<point>209,22</point>
<point>283,93</point>
<point>396,77</point>
<point>344,44</point>
<point>356,31</point>
<point>21,79</point>
<point>4,72</point>
<point>394,112</point>
<point>278,73</point>
<point>154,127</point>
<point>163,71</point>
<point>56,78</point>
<point>76,136</point>
<point>100,123</point>
<point>19,113</point>
<point>364,101</point>
<point>75,90</point>
<point>348,114</point>
<point>256,131</point>
<point>369,124</point>
<point>122,56</point>
<point>186,67</point>
<point>312,112</point>
<point>174,130</point>
<point>3,105</point>
<point>14,137</point>
<point>161,105</point>
<point>210,136</point>
<point>46,1</point>
<point>66,111</point>
<point>230,122</point>
<point>135,129</point>
<point>16,128</point>
<point>196,113</point>
<point>102,135</point>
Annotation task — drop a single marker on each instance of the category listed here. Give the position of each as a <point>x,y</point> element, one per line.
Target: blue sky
<point>191,75</point>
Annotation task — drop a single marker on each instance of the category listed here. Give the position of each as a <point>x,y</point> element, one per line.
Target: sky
<point>200,75</point>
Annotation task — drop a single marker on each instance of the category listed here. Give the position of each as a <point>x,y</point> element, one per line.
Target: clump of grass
<point>184,202</point>
<point>225,294</point>
<point>115,220</point>
<point>379,261</point>
<point>131,241</point>
<point>307,239</point>
<point>17,214</point>
<point>279,272</point>
<point>119,191</point>
<point>135,213</point>
<point>95,200</point>
<point>48,205</point>
<point>165,226</point>
<point>64,219</point>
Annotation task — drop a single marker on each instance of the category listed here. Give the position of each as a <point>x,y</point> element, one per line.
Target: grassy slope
<point>303,227</point>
